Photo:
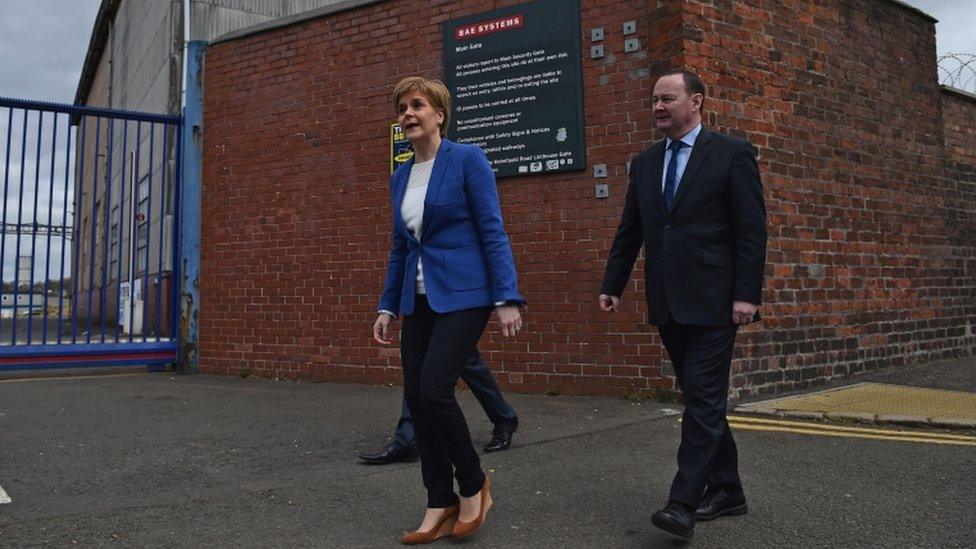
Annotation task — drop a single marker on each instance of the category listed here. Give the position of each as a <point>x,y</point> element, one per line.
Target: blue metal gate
<point>88,242</point>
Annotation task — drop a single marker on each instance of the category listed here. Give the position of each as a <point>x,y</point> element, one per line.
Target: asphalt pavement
<point>151,460</point>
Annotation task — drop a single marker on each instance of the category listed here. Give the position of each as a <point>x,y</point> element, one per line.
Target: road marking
<point>748,427</point>
<point>769,425</point>
<point>4,498</point>
<point>849,428</point>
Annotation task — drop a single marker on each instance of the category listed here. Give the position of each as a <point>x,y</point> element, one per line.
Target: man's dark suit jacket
<point>709,249</point>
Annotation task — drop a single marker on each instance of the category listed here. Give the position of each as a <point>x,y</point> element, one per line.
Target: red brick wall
<point>862,272</point>
<point>866,267</point>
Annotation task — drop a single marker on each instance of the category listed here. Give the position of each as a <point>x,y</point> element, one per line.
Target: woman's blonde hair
<point>434,90</point>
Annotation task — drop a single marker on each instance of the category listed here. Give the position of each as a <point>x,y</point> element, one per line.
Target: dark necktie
<point>670,183</point>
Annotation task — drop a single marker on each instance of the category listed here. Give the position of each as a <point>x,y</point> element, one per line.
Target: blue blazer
<point>467,256</point>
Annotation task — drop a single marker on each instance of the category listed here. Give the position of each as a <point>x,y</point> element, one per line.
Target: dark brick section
<point>959,115</point>
<point>871,250</point>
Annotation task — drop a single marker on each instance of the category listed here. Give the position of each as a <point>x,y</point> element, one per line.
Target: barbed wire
<point>958,70</point>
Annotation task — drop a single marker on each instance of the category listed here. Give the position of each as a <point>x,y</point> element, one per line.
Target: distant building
<point>32,303</point>
<point>135,63</point>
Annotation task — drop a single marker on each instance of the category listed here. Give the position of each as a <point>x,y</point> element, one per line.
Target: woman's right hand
<point>510,319</point>
<point>381,329</point>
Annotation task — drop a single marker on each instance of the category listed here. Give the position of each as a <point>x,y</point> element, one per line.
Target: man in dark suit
<point>483,386</point>
<point>695,203</point>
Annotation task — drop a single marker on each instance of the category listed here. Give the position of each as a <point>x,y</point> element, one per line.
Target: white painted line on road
<point>4,498</point>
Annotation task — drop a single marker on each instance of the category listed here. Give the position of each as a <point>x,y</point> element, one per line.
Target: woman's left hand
<point>510,319</point>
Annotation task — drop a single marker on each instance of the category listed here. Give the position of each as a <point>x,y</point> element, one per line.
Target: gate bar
<point>64,238</point>
<point>6,188</point>
<point>78,111</point>
<point>149,214</point>
<point>94,225</point>
<point>159,275</point>
<point>118,275</point>
<point>20,215</point>
<point>96,354</point>
<point>33,255</point>
<point>50,208</point>
<point>107,242</point>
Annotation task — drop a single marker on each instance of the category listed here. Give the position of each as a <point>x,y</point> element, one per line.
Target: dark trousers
<point>707,456</point>
<point>434,347</point>
<point>478,378</point>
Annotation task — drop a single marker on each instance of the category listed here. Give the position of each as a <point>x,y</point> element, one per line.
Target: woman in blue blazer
<point>451,265</point>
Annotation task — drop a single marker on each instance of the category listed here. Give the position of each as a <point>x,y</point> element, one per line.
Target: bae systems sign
<point>515,78</point>
<point>479,29</point>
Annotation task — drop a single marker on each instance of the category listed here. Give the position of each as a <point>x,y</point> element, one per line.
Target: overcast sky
<point>43,46</point>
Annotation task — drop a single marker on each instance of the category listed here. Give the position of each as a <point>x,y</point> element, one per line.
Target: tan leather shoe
<point>442,529</point>
<point>465,529</point>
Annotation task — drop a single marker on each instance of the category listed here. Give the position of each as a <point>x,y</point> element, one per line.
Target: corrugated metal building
<point>135,62</point>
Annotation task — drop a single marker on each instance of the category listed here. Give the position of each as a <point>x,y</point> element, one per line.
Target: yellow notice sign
<point>401,150</point>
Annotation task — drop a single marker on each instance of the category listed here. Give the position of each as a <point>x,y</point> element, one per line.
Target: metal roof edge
<point>96,46</point>
<point>956,91</point>
<point>294,19</point>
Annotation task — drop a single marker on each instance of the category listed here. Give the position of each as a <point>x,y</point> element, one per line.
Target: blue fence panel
<point>88,241</point>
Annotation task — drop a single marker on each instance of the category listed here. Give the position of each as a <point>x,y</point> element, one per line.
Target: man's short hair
<point>434,90</point>
<point>693,84</point>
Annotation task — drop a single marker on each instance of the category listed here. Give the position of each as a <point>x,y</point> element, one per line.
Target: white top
<point>412,208</point>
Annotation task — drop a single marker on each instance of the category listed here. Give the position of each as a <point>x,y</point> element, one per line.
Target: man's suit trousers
<point>707,456</point>
<point>483,386</point>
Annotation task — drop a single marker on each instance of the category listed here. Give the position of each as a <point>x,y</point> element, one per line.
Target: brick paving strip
<point>876,403</point>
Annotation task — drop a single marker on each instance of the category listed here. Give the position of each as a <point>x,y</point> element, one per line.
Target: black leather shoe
<point>390,454</point>
<point>721,503</point>
<point>501,436</point>
<point>676,519</point>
